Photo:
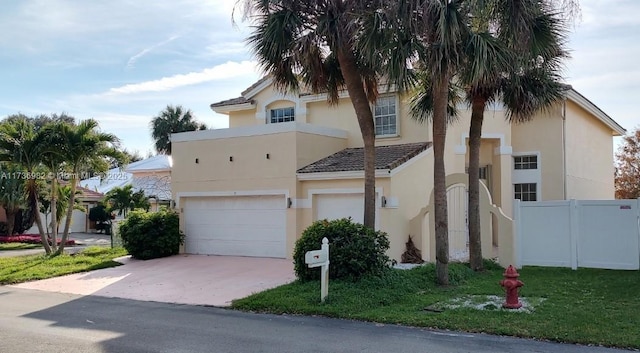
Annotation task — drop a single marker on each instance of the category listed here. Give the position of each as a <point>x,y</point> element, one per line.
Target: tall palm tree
<point>532,38</point>
<point>442,27</point>
<point>472,43</point>
<point>328,47</point>
<point>21,144</point>
<point>171,120</point>
<point>81,145</point>
<point>53,159</point>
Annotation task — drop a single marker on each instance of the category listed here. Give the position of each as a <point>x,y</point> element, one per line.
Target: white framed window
<point>385,116</point>
<point>525,162</point>
<point>525,191</point>
<point>282,115</point>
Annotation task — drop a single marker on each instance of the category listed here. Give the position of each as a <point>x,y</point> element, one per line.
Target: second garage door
<point>235,225</point>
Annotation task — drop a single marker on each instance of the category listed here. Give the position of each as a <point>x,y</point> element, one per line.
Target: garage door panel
<point>336,206</point>
<point>239,248</point>
<point>233,217</point>
<point>236,225</point>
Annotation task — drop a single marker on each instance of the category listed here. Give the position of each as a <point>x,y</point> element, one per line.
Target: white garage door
<point>78,222</point>
<point>235,225</point>
<point>336,206</point>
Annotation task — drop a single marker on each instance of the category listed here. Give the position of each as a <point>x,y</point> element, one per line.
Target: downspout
<point>564,149</point>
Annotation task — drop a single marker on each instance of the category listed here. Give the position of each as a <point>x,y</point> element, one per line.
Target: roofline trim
<point>226,109</point>
<point>253,91</point>
<point>350,174</point>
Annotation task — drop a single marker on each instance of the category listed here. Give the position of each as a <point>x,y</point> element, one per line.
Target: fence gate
<point>457,196</point>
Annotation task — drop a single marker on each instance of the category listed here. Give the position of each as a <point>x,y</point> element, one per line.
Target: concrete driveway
<point>182,279</point>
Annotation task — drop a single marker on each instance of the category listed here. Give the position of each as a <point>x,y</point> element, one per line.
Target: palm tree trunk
<point>33,201</point>
<point>54,216</point>
<point>349,69</point>
<point>439,130</point>
<point>475,135</point>
<point>67,223</point>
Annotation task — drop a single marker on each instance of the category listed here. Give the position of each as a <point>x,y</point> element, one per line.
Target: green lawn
<point>32,267</point>
<point>587,306</point>
<point>19,246</point>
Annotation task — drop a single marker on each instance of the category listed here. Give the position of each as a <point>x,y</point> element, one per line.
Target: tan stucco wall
<point>411,188</point>
<point>589,156</point>
<point>543,134</point>
<point>244,118</point>
<point>250,169</point>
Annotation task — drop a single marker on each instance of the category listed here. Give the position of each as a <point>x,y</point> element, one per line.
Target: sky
<point>122,62</point>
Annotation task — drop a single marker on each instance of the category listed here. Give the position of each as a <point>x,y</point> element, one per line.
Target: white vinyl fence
<point>595,234</point>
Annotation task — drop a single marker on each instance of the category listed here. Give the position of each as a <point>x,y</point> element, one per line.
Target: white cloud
<point>227,70</point>
<point>145,51</point>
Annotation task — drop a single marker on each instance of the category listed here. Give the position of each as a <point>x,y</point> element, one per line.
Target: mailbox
<point>320,258</point>
<point>316,258</point>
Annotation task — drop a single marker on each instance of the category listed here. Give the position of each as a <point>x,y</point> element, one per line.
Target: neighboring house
<point>153,175</point>
<point>80,219</point>
<point>287,160</point>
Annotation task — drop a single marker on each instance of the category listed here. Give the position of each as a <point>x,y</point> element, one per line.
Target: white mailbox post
<point>320,258</point>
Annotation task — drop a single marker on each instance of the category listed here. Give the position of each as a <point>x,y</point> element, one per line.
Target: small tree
<point>627,174</point>
<point>124,199</point>
<point>99,215</point>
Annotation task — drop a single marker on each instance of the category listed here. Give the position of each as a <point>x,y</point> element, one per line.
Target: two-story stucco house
<point>287,160</point>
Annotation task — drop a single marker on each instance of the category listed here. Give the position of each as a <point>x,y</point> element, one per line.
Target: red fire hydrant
<point>511,284</point>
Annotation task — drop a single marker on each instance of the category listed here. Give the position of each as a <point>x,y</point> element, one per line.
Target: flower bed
<point>29,239</point>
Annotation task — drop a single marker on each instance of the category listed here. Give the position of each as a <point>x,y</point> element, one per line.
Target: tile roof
<point>232,101</point>
<point>256,84</point>
<point>160,162</point>
<point>241,99</point>
<point>88,193</point>
<point>352,159</point>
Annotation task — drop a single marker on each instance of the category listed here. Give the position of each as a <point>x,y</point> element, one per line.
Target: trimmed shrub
<point>354,250</point>
<point>149,235</point>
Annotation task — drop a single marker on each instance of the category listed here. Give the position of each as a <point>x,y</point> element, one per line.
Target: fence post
<point>517,233</point>
<point>574,234</point>
<point>638,228</point>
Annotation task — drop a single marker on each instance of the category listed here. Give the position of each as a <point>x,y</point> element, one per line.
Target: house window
<point>385,117</point>
<point>525,162</point>
<point>282,115</point>
<point>526,192</point>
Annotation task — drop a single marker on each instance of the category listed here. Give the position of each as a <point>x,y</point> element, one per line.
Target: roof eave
<point>226,109</point>
<point>350,174</point>
<point>587,105</point>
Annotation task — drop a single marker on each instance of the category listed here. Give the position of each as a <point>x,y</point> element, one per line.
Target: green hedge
<point>149,235</point>
<point>354,250</point>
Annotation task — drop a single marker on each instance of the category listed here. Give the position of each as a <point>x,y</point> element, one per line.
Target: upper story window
<point>282,115</point>
<point>525,162</point>
<point>385,116</point>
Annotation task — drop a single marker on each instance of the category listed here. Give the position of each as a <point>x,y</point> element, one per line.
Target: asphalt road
<point>35,321</point>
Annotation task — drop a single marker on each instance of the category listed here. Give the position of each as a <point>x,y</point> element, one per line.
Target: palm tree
<point>12,195</point>
<point>172,120</point>
<point>21,144</point>
<point>123,199</point>
<point>532,38</point>
<point>81,145</point>
<point>473,44</point>
<point>327,47</point>
<point>442,27</point>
